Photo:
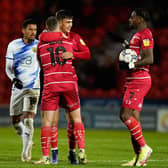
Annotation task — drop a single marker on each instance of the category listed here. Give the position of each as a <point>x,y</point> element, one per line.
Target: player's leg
<point>16,102</point>
<point>130,115</point>
<point>135,145</point>
<point>16,113</point>
<point>71,139</point>
<point>73,104</point>
<point>125,114</point>
<point>46,135</point>
<point>143,152</point>
<point>79,133</point>
<point>30,102</point>
<point>18,124</point>
<point>70,133</point>
<point>135,131</point>
<point>49,106</point>
<point>54,136</point>
<point>27,140</point>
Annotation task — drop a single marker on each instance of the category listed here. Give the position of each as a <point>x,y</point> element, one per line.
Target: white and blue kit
<point>22,63</point>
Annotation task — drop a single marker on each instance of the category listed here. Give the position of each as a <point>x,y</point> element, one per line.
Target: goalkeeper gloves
<point>18,83</point>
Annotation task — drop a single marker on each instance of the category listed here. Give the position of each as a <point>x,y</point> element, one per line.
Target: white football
<point>128,55</point>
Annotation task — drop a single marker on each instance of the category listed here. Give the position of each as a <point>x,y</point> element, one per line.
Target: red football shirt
<point>80,49</point>
<point>141,41</point>
<point>58,73</point>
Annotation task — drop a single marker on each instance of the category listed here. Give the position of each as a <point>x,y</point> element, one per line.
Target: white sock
<point>28,122</point>
<point>19,127</point>
<point>27,135</point>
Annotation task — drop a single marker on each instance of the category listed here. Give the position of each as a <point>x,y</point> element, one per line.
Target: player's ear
<point>23,30</point>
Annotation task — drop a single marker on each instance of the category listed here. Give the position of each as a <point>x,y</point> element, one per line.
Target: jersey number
<point>27,60</point>
<point>51,50</point>
<point>131,95</point>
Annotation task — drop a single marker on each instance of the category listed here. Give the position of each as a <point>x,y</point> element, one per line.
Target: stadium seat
<point>5,5</point>
<point>84,92</point>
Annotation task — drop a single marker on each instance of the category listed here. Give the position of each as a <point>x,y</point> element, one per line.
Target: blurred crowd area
<point>103,25</point>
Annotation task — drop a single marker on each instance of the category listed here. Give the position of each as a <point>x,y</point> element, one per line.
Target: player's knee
<point>124,116</point>
<point>75,116</point>
<point>28,122</point>
<point>19,127</point>
<point>121,117</point>
<point>76,119</point>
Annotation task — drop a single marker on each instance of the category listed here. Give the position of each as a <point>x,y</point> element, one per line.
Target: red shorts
<point>63,103</point>
<point>51,100</point>
<point>135,91</point>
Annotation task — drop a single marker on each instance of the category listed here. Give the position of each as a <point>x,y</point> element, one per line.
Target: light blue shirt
<point>23,61</point>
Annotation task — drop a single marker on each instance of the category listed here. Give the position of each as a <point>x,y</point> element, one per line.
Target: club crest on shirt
<point>82,42</point>
<point>34,49</point>
<point>146,42</point>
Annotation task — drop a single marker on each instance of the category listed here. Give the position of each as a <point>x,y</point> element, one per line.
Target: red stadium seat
<point>84,92</point>
<point>5,5</point>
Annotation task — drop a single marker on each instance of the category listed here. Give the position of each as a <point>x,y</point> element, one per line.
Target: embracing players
<point>59,84</point>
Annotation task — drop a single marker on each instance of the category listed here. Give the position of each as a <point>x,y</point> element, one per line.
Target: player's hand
<point>18,83</point>
<point>67,55</point>
<point>125,44</point>
<point>126,66</point>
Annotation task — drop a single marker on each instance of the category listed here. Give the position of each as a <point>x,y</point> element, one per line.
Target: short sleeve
<point>9,53</point>
<point>147,40</point>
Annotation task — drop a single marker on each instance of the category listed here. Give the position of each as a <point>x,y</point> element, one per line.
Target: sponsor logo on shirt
<point>146,42</point>
<point>34,49</point>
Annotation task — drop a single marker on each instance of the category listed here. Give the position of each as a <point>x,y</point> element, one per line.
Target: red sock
<point>135,144</point>
<point>45,140</point>
<point>79,133</point>
<point>135,130</point>
<point>71,137</point>
<point>54,136</point>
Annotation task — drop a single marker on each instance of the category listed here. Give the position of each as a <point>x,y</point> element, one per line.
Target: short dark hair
<point>143,13</point>
<point>62,14</point>
<point>51,23</point>
<point>27,22</point>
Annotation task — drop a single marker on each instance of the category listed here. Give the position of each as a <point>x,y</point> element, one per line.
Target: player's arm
<point>146,58</point>
<point>147,51</point>
<point>84,54</point>
<point>81,52</point>
<point>38,56</point>
<point>76,54</point>
<point>9,68</point>
<point>9,63</point>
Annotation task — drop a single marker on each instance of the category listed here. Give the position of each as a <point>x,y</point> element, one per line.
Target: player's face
<point>30,32</point>
<point>66,25</point>
<point>134,20</point>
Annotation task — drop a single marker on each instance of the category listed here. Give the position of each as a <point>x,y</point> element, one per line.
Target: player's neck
<point>65,35</point>
<point>141,27</point>
<point>27,41</point>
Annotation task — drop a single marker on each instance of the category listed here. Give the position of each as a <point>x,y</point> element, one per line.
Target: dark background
<point>103,25</point>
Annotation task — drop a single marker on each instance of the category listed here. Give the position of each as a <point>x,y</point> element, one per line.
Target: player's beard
<point>131,26</point>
